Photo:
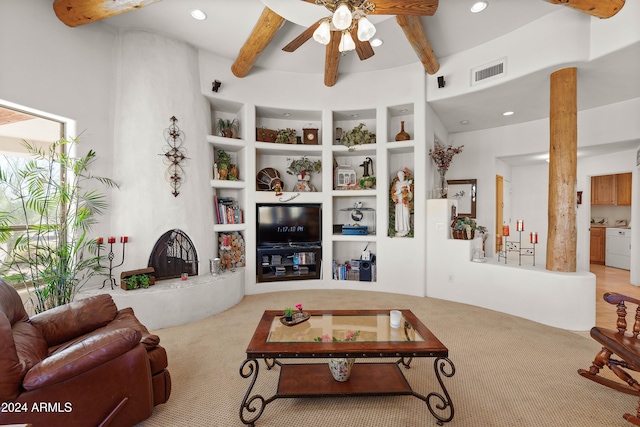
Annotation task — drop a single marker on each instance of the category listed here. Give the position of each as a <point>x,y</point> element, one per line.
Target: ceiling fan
<point>347,28</point>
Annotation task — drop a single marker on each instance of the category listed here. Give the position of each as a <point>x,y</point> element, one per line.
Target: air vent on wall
<point>489,72</point>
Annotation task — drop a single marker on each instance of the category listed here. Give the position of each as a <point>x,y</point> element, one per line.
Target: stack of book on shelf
<point>345,272</point>
<point>227,210</point>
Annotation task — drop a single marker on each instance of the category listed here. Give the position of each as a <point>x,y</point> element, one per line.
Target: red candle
<point>124,239</point>
<point>112,240</point>
<point>531,237</point>
<point>535,237</point>
<point>100,240</point>
<point>505,230</point>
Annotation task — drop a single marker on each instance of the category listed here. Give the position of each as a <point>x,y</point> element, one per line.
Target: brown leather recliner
<point>82,364</point>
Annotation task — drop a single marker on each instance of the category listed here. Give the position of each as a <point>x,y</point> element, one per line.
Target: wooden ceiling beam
<point>332,59</point>
<point>414,32</point>
<point>597,8</point>
<point>80,12</point>
<point>263,32</point>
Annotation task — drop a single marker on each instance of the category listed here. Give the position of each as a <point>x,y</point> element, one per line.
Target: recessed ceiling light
<point>354,116</point>
<point>479,6</point>
<point>508,113</point>
<point>464,122</point>
<point>286,114</point>
<point>404,110</point>
<point>376,42</point>
<point>198,14</point>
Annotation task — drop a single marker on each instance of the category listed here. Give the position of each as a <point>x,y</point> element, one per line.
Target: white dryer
<point>618,253</point>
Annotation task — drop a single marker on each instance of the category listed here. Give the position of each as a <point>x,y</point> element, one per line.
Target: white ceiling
<point>452,29</point>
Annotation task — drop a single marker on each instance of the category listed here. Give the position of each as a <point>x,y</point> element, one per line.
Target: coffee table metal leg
<point>444,366</point>
<point>255,404</point>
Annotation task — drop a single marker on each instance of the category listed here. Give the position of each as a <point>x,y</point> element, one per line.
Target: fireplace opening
<point>174,254</point>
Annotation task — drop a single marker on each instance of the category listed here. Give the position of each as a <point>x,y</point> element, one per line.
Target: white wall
<point>61,71</point>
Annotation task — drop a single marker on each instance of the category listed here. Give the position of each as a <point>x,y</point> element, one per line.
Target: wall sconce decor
<point>174,155</point>
<point>216,85</point>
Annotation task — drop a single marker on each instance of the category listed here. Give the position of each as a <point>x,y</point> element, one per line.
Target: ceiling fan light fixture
<point>346,42</point>
<point>342,17</point>
<point>366,30</point>
<point>322,34</point>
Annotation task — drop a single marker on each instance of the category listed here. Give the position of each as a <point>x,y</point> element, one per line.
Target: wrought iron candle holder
<point>111,256</point>
<point>516,246</point>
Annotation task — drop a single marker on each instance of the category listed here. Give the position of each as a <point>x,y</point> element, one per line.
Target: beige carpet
<point>509,371</point>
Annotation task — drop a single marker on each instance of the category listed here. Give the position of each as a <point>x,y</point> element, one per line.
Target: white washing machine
<point>618,246</point>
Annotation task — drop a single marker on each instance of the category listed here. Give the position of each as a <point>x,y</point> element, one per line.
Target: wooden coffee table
<point>273,341</point>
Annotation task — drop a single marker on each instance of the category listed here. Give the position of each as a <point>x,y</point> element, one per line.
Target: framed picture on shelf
<point>464,191</point>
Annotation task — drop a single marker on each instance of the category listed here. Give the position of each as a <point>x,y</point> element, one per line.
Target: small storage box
<point>266,135</point>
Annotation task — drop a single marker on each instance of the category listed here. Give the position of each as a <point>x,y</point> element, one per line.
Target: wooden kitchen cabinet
<point>597,245</point>
<point>603,190</point>
<point>623,189</point>
<point>611,189</point>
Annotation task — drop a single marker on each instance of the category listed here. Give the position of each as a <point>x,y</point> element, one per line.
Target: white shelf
<point>357,150</point>
<point>226,228</point>
<point>355,238</point>
<point>401,146</point>
<point>222,183</point>
<point>286,197</point>
<point>353,193</point>
<point>302,149</point>
<point>227,144</point>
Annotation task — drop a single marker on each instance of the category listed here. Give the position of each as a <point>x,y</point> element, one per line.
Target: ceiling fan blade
<point>363,48</point>
<point>402,7</point>
<point>332,59</point>
<point>302,38</point>
<point>262,34</point>
<point>414,32</point>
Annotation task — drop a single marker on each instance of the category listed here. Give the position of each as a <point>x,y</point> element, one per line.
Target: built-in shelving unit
<point>381,160</point>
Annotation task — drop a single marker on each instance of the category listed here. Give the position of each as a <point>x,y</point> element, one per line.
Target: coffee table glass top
<point>373,327</point>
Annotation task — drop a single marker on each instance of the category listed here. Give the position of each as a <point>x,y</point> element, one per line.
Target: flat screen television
<point>290,224</point>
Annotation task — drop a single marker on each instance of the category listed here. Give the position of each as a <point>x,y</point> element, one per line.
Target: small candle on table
<point>112,240</point>
<point>124,239</point>
<point>100,240</point>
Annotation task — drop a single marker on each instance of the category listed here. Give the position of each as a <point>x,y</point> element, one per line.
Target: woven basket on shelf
<point>462,234</point>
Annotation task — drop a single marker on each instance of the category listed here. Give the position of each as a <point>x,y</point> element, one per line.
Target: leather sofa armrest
<point>81,357</point>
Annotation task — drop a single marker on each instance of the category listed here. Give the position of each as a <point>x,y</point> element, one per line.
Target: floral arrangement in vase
<point>303,166</point>
<point>286,136</point>
<point>442,155</point>
<point>358,136</point>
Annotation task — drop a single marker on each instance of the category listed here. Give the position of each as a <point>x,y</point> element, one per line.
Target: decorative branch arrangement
<point>174,155</point>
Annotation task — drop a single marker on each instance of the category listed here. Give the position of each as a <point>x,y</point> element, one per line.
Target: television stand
<point>294,262</point>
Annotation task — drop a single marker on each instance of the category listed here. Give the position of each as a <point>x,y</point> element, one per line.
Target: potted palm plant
<point>45,230</point>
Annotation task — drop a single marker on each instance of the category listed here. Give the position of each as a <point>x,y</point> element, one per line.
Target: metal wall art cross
<point>174,156</point>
